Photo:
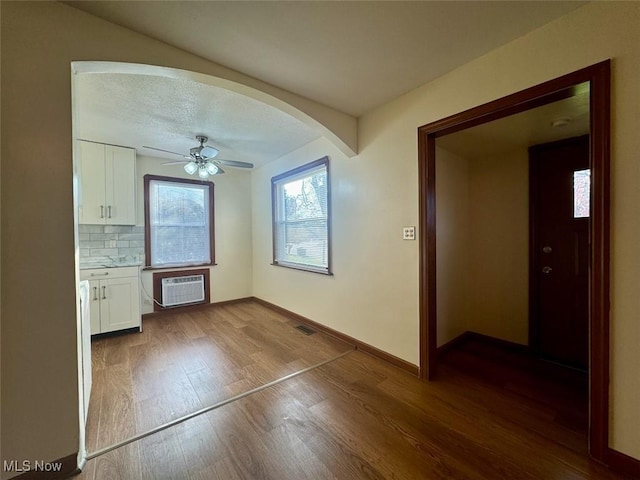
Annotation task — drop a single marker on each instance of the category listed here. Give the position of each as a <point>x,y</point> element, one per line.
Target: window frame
<point>295,174</point>
<point>147,223</point>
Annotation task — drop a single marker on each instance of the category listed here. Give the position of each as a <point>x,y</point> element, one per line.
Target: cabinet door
<point>92,183</point>
<point>119,304</point>
<point>120,176</point>
<point>94,306</point>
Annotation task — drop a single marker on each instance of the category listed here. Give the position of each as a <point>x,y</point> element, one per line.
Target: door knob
<point>547,249</point>
<point>546,269</point>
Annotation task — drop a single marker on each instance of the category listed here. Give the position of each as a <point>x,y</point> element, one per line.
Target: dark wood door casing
<point>598,76</point>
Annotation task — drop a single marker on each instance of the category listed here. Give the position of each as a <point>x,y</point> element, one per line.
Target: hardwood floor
<point>557,396</point>
<point>183,362</point>
<point>356,417</point>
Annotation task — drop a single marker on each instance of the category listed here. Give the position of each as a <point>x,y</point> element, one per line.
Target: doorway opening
<point>596,78</point>
<point>177,367</point>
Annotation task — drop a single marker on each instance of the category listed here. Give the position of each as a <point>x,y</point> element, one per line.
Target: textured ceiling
<point>520,131</point>
<point>352,56</point>
<point>136,110</point>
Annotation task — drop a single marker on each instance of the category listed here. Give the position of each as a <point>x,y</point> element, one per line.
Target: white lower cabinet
<point>114,298</point>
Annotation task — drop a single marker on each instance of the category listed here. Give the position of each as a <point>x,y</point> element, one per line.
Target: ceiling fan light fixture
<point>199,159</point>
<point>211,168</point>
<point>202,172</point>
<point>191,168</point>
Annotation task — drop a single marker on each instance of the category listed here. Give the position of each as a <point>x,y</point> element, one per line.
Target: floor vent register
<point>306,330</point>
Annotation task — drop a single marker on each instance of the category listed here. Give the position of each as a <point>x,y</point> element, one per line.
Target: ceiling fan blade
<point>220,171</point>
<point>208,152</point>
<point>233,163</point>
<point>181,162</point>
<point>166,151</point>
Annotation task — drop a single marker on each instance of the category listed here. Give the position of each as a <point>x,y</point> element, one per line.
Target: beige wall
<point>374,292</point>
<point>373,267</point>
<point>39,362</point>
<point>499,246</point>
<point>593,33</point>
<point>231,277</point>
<point>453,252</point>
<point>482,228</point>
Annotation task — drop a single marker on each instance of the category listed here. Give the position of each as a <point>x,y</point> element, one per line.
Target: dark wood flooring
<point>557,396</point>
<point>356,417</point>
<point>183,362</point>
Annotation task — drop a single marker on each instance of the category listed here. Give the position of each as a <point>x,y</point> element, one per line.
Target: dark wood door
<point>560,209</point>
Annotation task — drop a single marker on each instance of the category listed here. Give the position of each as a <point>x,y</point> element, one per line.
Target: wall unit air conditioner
<point>182,290</point>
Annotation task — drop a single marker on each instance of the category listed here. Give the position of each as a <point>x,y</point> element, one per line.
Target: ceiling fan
<point>200,160</point>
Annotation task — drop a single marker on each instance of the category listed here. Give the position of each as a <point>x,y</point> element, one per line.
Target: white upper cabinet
<point>120,184</point>
<point>107,184</point>
<point>92,182</point>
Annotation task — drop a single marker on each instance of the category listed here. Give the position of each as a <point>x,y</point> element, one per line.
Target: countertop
<point>87,266</point>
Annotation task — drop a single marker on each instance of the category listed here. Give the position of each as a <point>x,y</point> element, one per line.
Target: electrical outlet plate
<point>408,233</point>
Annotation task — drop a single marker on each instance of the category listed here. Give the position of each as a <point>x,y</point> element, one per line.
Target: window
<point>178,221</point>
<point>581,193</point>
<point>301,208</point>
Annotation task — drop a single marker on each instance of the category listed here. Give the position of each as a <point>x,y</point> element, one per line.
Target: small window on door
<point>581,193</point>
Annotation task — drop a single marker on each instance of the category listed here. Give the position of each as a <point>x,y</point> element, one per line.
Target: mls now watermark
<point>30,466</point>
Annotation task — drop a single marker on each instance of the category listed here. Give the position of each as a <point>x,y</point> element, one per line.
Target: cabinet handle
<point>101,211</point>
<point>109,209</point>
<point>95,293</point>
<point>104,293</point>
<point>99,274</point>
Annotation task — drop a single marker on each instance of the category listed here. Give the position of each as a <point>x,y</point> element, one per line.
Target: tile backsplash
<point>110,245</point>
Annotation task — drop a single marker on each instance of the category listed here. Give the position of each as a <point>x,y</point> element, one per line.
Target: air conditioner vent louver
<point>182,290</point>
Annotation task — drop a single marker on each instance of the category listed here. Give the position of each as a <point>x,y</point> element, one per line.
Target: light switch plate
<point>408,233</point>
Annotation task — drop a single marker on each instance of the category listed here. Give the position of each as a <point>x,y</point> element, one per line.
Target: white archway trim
<point>346,142</point>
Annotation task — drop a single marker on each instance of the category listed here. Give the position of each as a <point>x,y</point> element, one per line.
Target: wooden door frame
<point>599,77</point>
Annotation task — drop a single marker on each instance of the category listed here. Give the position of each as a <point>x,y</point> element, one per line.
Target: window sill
<point>303,268</point>
<point>175,267</point>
